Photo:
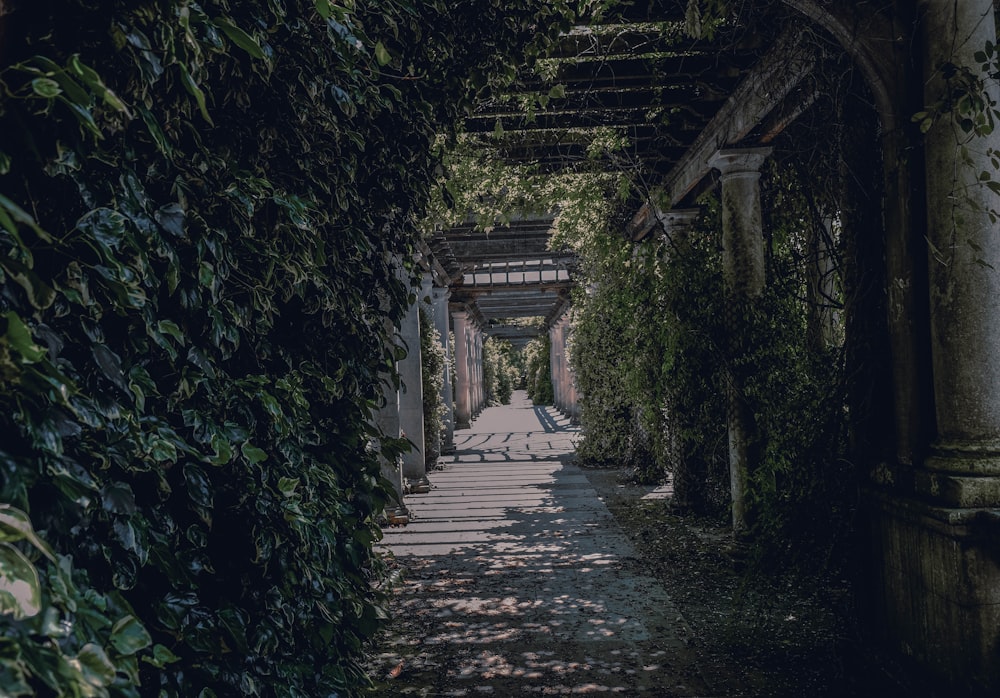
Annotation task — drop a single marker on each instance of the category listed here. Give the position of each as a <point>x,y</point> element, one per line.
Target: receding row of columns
<point>563,384</point>
<point>962,467</point>
<point>463,394</point>
<point>470,393</point>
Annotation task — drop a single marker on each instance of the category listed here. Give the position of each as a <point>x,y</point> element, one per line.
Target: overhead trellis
<point>632,93</point>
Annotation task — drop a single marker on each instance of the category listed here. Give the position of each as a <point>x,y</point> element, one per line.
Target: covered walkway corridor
<point>517,580</point>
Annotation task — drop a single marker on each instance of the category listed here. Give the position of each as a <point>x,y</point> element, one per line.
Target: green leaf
<point>323,8</point>
<point>84,116</point>
<point>171,328</point>
<point>252,453</point>
<point>206,275</point>
<point>381,54</point>
<point>72,89</point>
<point>159,137</point>
<point>20,591</point>
<point>199,487</point>
<point>96,667</point>
<point>171,218</point>
<point>161,656</point>
<point>46,87</point>
<point>19,215</point>
<point>129,635</point>
<point>240,37</point>
<point>18,337</point>
<point>195,91</point>
<point>93,80</point>
<point>15,525</point>
<point>163,451</point>
<point>287,486</point>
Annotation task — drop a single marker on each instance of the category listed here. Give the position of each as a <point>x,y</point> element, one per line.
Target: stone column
<point>689,478</point>
<point>463,388</point>
<point>411,401</point>
<point>554,363</point>
<point>480,386</point>
<point>821,287</point>
<point>387,421</point>
<point>563,387</point>
<point>743,273</point>
<point>476,366</point>
<point>564,378</point>
<point>935,553</point>
<point>440,303</point>
<point>572,396</point>
<point>964,268</point>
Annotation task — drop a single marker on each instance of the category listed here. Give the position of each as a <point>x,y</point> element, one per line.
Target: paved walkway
<point>519,582</point>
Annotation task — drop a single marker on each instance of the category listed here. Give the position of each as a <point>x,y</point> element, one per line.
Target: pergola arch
<point>937,499</point>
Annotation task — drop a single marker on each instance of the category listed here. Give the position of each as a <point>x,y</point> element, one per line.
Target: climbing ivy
<point>201,205</point>
<point>538,372</point>
<point>660,349</point>
<point>500,374</point>
<point>432,360</point>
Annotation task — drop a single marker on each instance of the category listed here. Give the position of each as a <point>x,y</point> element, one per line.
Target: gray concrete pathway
<point>519,582</point>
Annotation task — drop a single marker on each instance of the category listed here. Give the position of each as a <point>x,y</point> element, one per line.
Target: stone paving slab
<point>519,582</point>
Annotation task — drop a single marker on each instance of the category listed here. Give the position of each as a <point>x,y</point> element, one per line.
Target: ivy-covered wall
<point>658,346</point>
<point>432,360</point>
<point>201,204</point>
<point>500,374</point>
<point>538,380</point>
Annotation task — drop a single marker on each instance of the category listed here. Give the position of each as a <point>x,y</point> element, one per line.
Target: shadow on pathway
<point>518,581</point>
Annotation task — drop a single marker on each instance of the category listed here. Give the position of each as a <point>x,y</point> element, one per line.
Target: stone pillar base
<point>962,475</point>
<point>420,485</point>
<point>935,589</point>
<point>397,516</point>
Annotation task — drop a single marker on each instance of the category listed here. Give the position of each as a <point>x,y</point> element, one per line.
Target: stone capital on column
<point>677,218</point>
<point>737,162</point>
<point>676,224</point>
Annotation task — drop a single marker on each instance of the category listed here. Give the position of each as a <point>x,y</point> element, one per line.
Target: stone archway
<point>933,511</point>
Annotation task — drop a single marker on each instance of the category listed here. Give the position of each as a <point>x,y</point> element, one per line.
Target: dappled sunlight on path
<point>518,581</point>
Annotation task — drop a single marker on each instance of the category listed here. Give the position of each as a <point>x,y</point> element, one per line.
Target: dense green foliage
<point>500,372</point>
<point>201,210</point>
<point>617,319</point>
<point>659,345</point>
<point>432,376</point>
<point>538,372</point>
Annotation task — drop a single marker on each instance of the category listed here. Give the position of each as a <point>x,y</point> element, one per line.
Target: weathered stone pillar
<point>387,421</point>
<point>964,269</point>
<point>565,378</point>
<point>463,378</point>
<point>411,401</point>
<point>573,395</point>
<point>564,400</point>
<point>554,363</point>
<point>689,479</point>
<point>480,374</point>
<point>476,372</point>
<point>935,547</point>
<point>743,273</point>
<point>821,288</point>
<point>482,370</point>
<point>439,299</point>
